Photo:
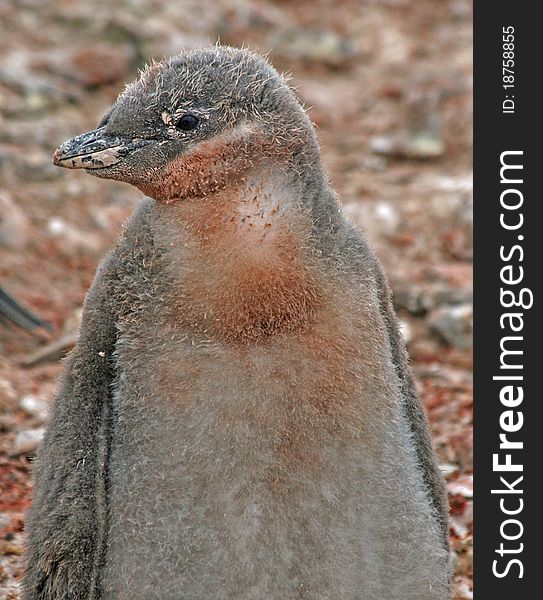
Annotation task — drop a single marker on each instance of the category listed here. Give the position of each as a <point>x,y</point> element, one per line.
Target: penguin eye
<point>187,122</point>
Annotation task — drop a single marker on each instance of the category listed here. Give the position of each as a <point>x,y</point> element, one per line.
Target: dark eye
<point>187,122</point>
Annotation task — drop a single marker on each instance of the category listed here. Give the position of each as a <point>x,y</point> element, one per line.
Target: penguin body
<point>238,419</point>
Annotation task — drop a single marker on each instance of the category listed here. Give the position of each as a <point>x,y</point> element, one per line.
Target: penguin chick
<point>238,420</point>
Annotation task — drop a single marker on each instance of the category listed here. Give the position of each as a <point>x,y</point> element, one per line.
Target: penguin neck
<point>243,256</point>
<point>249,215</point>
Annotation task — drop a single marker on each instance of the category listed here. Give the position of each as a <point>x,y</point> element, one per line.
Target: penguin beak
<point>95,150</point>
<point>92,150</point>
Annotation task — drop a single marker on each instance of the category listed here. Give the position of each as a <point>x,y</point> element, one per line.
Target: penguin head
<point>193,124</point>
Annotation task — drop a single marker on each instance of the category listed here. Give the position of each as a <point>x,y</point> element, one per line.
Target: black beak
<point>92,150</point>
<point>95,150</point>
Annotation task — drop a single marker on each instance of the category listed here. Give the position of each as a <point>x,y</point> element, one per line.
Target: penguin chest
<point>268,409</point>
<point>262,409</point>
<point>217,460</point>
<point>249,470</point>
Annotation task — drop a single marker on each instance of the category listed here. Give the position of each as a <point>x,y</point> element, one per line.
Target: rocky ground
<point>387,82</point>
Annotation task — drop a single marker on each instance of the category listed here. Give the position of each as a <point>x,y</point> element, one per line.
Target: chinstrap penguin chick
<point>238,420</point>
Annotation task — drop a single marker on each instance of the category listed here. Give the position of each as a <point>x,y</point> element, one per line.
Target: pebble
<point>405,331</point>
<point>419,146</point>
<point>321,46</point>
<point>379,219</point>
<point>419,300</point>
<point>27,441</point>
<point>453,325</point>
<point>421,137</point>
<point>448,469</point>
<point>463,486</point>
<point>34,407</point>
<point>71,238</point>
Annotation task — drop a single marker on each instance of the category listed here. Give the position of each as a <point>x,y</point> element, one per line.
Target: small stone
<point>34,407</point>
<point>423,146</point>
<point>392,45</point>
<point>27,441</point>
<point>388,218</point>
<point>453,325</point>
<point>315,46</point>
<point>460,9</point>
<point>463,486</point>
<point>421,137</point>
<point>420,146</point>
<point>463,590</point>
<point>448,469</point>
<point>11,547</point>
<point>405,331</point>
<point>421,299</point>
<point>70,238</point>
<point>379,219</point>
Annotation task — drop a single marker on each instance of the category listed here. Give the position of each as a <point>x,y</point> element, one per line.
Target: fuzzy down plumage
<point>238,419</point>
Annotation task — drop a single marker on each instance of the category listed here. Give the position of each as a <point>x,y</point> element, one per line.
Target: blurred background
<point>388,84</point>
